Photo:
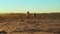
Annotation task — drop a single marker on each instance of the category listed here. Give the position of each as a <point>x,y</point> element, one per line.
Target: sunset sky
<point>34,6</point>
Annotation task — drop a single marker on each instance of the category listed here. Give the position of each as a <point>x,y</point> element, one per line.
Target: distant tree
<point>34,15</point>
<point>28,14</point>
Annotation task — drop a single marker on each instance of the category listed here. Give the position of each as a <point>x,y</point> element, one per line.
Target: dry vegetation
<point>20,24</point>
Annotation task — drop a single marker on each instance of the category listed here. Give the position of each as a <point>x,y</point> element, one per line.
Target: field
<point>21,24</point>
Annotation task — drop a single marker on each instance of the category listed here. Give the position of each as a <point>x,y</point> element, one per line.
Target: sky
<point>33,6</point>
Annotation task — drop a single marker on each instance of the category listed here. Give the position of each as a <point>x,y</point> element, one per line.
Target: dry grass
<point>20,24</point>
